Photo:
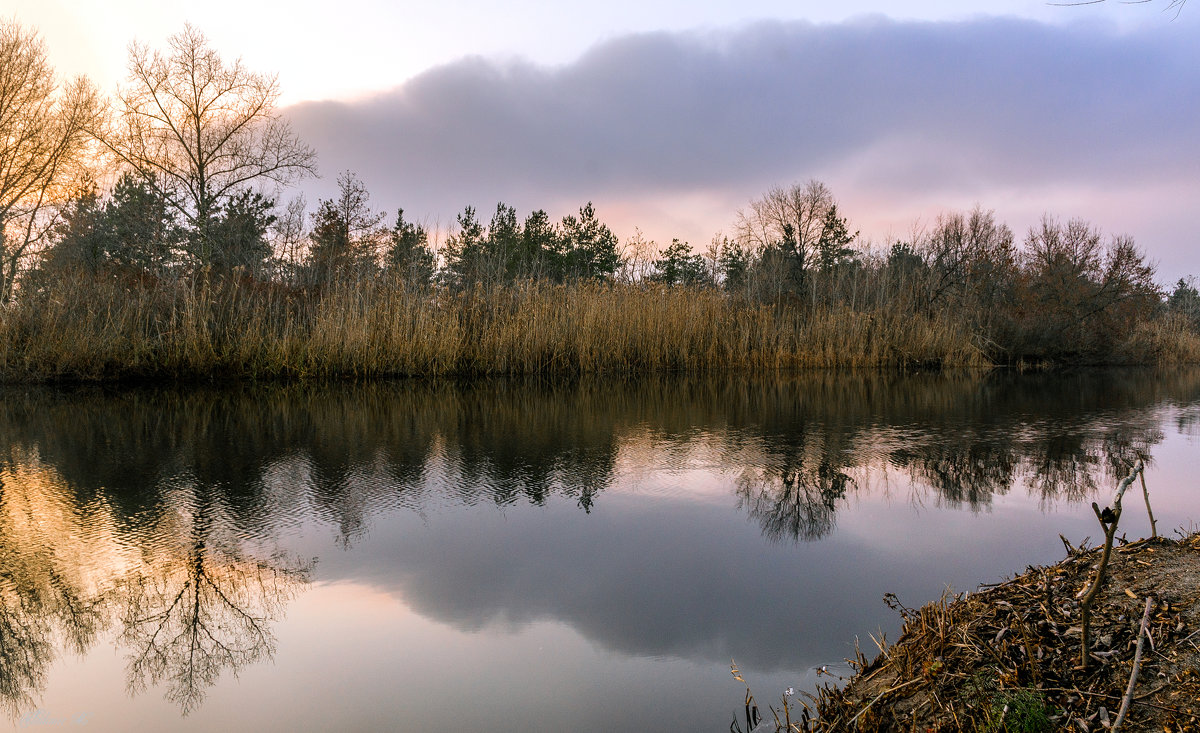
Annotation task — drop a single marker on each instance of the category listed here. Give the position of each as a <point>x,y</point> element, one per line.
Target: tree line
<point>202,154</point>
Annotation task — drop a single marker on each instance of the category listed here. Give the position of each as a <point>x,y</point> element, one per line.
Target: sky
<point>671,115</point>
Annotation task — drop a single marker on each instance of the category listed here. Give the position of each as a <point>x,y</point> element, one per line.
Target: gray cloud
<point>919,106</point>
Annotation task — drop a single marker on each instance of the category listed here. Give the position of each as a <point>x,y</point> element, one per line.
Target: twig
<point>1137,700</point>
<point>1108,522</point>
<point>880,697</point>
<point>1149,511</point>
<point>1137,663</point>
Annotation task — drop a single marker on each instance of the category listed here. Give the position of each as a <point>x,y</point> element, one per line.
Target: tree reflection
<point>184,596</point>
<point>42,599</point>
<point>798,502</point>
<point>25,648</point>
<point>208,609</point>
<point>966,471</point>
<point>352,451</point>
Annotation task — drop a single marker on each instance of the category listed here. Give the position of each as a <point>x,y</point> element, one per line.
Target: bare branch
<point>199,130</point>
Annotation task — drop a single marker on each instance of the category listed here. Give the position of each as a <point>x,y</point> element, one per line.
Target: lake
<point>528,555</point>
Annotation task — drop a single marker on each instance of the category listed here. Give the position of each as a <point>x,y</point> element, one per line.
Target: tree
<point>787,224</point>
<point>466,251</point>
<point>240,231</point>
<point>541,250</point>
<point>1185,300</point>
<point>1081,292</point>
<point>43,145</point>
<point>408,256</point>
<point>80,241</point>
<point>733,264</point>
<point>679,266</point>
<point>346,234</point>
<point>201,132</point>
<point>504,244</point>
<point>589,245</point>
<point>133,230</point>
<point>971,265</point>
<point>833,243</point>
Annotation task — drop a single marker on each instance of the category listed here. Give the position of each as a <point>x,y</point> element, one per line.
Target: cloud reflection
<point>154,513</point>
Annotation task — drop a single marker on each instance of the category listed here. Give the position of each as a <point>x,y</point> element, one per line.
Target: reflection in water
<point>797,500</point>
<point>154,516</point>
<point>202,610</point>
<point>187,605</point>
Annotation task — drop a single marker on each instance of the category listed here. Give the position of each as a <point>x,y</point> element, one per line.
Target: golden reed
<point>93,328</point>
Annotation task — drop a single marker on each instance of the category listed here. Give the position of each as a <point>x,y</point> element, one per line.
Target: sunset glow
<point>1081,111</point>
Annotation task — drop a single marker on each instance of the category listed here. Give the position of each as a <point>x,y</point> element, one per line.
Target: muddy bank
<point>1009,657</point>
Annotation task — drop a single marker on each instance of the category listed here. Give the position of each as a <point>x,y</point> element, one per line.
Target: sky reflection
<point>526,555</point>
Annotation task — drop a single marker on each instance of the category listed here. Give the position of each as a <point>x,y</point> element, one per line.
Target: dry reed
<point>97,329</point>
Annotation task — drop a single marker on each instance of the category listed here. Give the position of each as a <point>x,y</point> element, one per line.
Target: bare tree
<point>289,235</point>
<point>784,229</point>
<point>800,208</point>
<point>346,236</point>
<point>43,145</point>
<point>201,131</point>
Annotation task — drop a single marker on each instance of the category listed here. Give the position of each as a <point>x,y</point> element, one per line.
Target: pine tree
<point>833,244</point>
<point>590,246</point>
<point>408,256</point>
<point>679,266</point>
<point>345,236</point>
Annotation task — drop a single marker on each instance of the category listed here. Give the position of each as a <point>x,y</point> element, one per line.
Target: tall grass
<point>94,328</point>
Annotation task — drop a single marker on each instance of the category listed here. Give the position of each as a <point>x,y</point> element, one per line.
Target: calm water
<point>525,556</point>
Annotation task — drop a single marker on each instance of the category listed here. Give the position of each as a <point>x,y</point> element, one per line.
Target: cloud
<point>890,108</point>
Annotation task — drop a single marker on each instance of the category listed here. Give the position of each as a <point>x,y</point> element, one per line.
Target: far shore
<point>106,329</point>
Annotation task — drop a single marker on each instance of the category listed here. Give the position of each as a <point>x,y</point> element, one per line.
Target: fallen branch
<point>1137,663</point>
<point>1108,522</point>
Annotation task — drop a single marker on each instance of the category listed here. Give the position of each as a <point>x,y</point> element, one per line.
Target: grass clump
<point>1019,710</point>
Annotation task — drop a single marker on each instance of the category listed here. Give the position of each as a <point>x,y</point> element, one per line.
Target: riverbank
<point>92,329</point>
<point>1007,658</point>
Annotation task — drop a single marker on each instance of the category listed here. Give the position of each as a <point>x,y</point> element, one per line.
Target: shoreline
<point>118,330</point>
<point>1008,656</point>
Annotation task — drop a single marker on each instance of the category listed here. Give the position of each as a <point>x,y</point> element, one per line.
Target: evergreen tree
<point>503,256</point>
<point>679,266</point>
<point>408,255</point>
<point>133,230</point>
<point>239,232</point>
<point>1185,300</point>
<point>590,246</point>
<point>541,252</point>
<point>142,230</point>
<point>80,239</point>
<point>345,235</point>
<point>833,243</point>
<point>903,258</point>
<point>733,265</point>
<point>466,251</point>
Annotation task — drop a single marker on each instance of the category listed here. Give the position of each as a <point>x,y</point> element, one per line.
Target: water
<point>523,555</point>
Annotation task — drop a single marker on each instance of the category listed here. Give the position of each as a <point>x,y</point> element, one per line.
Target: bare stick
<point>1108,522</point>
<point>1137,663</point>
<point>880,697</point>
<point>1125,482</point>
<point>1149,511</point>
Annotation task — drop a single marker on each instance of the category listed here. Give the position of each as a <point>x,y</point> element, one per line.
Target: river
<point>525,555</point>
